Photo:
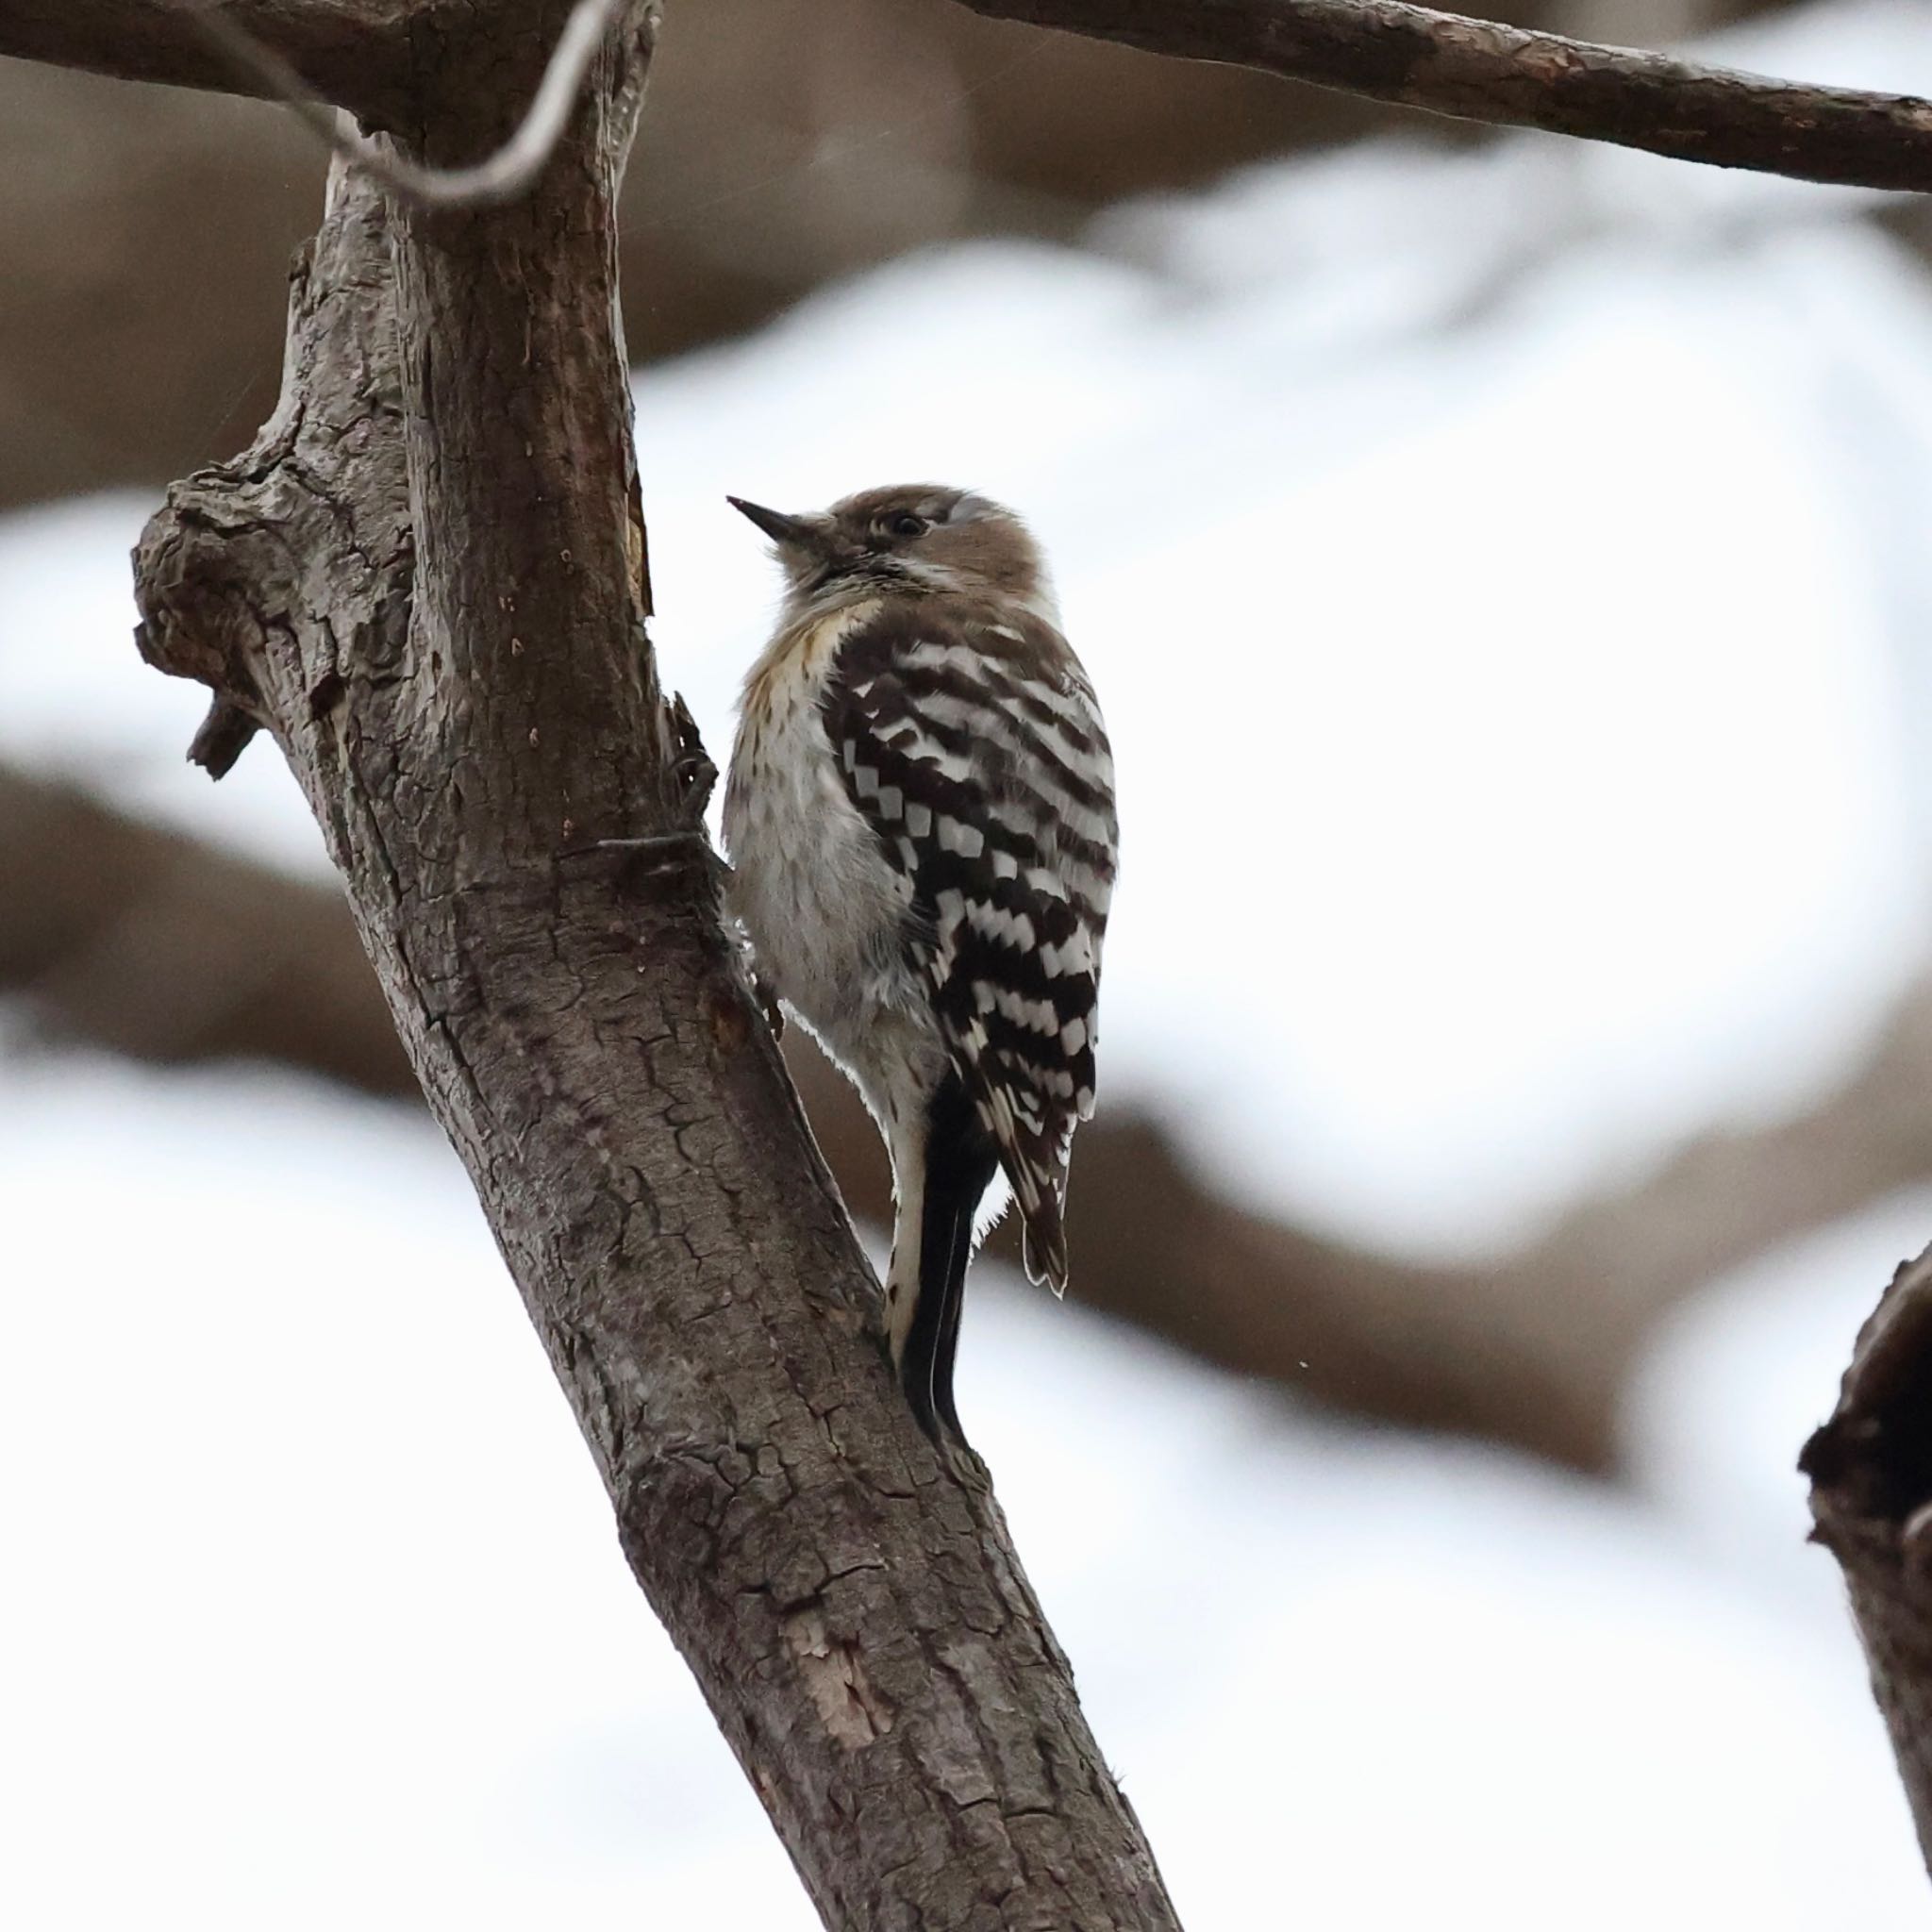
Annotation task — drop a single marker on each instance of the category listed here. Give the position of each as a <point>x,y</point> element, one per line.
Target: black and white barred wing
<point>974,746</point>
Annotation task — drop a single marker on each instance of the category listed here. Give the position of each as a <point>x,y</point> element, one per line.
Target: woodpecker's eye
<point>903,523</point>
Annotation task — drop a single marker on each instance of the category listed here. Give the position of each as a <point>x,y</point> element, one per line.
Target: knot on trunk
<point>204,615</point>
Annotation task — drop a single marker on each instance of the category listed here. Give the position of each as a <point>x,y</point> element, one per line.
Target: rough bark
<point>426,580</point>
<point>1871,1469</point>
<point>1477,69</point>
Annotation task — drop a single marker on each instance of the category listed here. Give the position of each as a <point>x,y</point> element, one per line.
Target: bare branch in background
<point>1871,1469</point>
<point>131,938</point>
<point>135,938</point>
<point>1477,69</point>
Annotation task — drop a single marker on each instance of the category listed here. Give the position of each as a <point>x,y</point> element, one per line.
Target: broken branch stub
<point>1871,1471</point>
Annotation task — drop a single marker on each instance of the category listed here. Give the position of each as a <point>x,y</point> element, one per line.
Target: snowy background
<point>1504,574</point>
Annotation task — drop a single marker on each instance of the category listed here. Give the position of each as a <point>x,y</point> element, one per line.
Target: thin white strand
<point>501,177</point>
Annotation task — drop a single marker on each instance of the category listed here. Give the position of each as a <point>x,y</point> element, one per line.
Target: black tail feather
<point>960,1162</point>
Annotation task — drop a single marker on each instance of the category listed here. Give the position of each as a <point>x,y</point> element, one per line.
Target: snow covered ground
<point>1504,578</point>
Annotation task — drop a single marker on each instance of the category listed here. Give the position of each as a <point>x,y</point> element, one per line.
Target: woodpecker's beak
<point>774,523</point>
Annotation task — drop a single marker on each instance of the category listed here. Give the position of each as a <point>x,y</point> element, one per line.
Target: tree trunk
<point>428,581</point>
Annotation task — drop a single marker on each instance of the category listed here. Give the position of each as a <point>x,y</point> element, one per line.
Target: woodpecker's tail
<point>957,1166</point>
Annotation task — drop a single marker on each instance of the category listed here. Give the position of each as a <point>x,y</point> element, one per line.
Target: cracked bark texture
<point>1871,1469</point>
<point>426,580</point>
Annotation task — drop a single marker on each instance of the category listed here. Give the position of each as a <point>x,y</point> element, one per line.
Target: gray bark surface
<point>426,580</point>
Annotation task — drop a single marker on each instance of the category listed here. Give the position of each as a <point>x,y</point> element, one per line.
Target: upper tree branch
<point>359,54</point>
<point>1476,70</point>
<point>354,52</point>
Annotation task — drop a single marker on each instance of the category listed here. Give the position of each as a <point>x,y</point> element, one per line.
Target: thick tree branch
<point>354,52</point>
<point>1476,70</point>
<point>428,581</point>
<point>359,54</point>
<point>1871,1469</point>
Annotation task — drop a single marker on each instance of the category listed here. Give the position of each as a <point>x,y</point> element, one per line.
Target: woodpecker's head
<point>907,537</point>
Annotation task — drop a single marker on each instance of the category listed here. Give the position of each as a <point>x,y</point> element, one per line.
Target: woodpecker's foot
<point>768,1001</point>
<point>663,855</point>
<point>694,777</point>
<point>671,847</point>
<point>693,774</point>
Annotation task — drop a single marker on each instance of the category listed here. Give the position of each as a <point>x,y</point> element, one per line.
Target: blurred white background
<point>1503,574</point>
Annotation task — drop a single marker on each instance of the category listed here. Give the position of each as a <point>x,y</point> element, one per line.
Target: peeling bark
<point>427,581</point>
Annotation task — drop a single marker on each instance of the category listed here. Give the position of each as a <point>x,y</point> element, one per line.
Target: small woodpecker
<point>920,824</point>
